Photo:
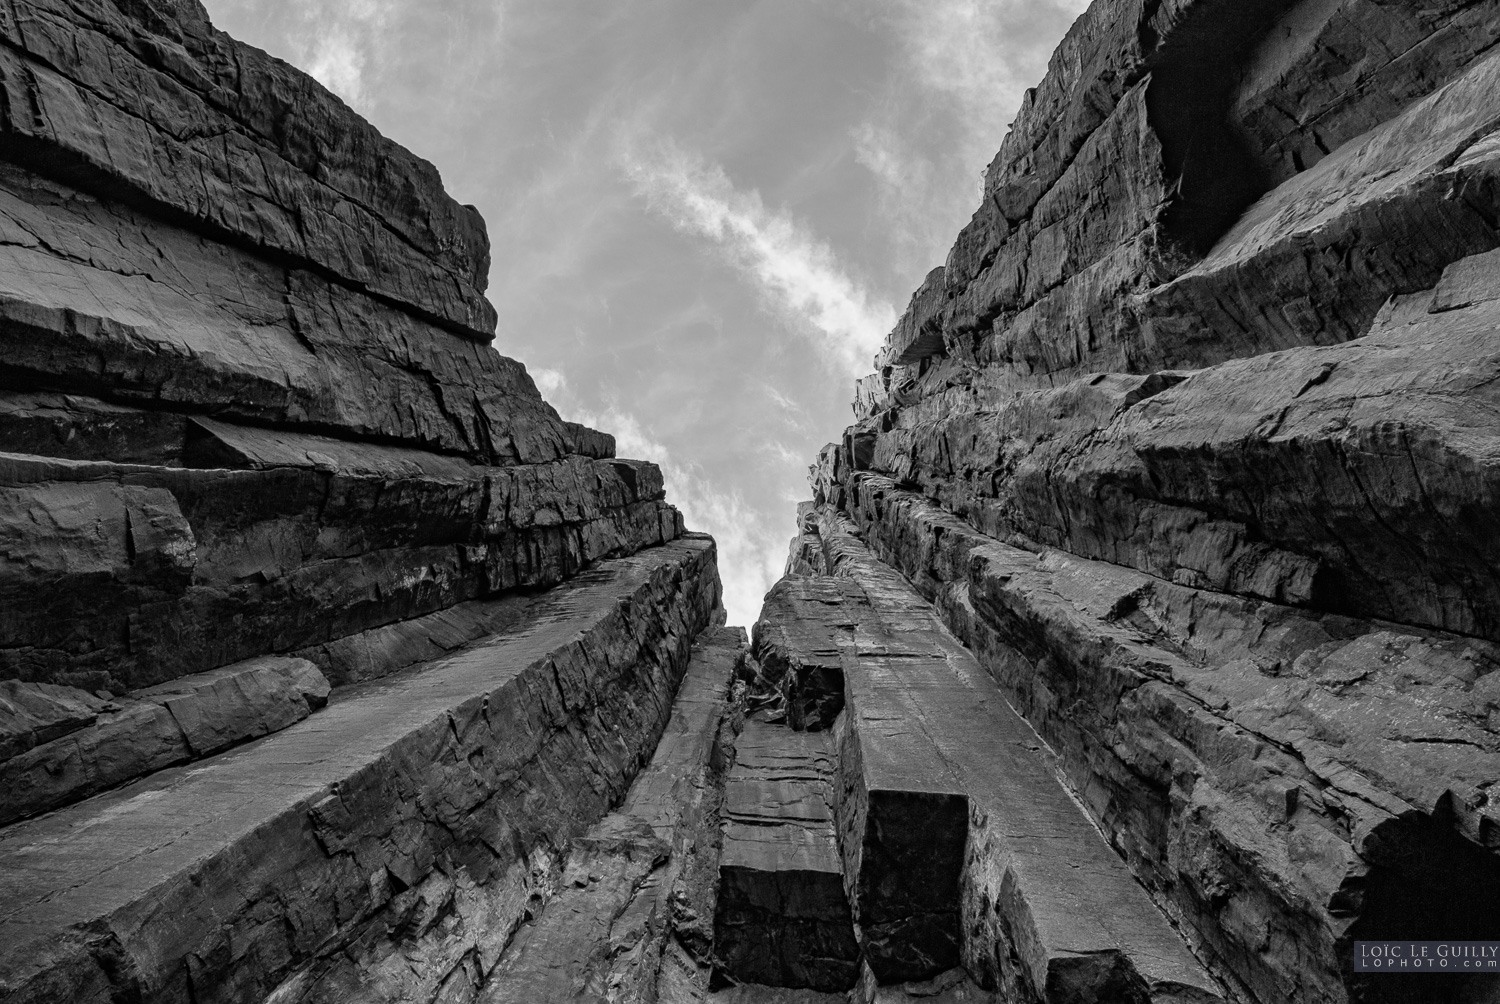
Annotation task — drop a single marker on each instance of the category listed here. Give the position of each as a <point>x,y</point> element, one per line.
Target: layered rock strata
<point>1190,443</point>
<point>960,840</point>
<point>326,646</point>
<point>781,917</point>
<point>633,885</point>
<point>385,845</point>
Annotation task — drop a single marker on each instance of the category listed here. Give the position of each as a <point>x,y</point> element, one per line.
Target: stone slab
<point>800,655</point>
<point>157,727</point>
<point>619,899</point>
<point>902,814</point>
<point>98,298</point>
<point>451,777</point>
<point>1272,753</point>
<point>782,918</point>
<point>123,576</point>
<point>156,107</point>
<point>33,714</point>
<point>78,427</point>
<point>1042,891</point>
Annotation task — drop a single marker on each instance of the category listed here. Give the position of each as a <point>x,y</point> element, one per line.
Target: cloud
<point>548,381</point>
<point>751,548</point>
<point>798,275</point>
<point>336,62</point>
<point>338,39</point>
<point>351,47</point>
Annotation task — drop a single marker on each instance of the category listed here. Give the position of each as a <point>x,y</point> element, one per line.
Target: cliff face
<point>1140,643</point>
<point>1192,445</point>
<point>321,635</point>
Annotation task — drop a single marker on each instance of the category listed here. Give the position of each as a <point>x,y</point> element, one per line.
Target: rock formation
<point>1139,643</point>
<point>1190,446</point>
<point>322,636</point>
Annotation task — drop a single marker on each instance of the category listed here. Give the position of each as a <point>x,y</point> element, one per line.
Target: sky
<point>705,215</point>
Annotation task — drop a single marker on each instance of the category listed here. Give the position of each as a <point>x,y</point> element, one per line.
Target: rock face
<point>1140,643</point>
<point>326,647</point>
<point>1191,444</point>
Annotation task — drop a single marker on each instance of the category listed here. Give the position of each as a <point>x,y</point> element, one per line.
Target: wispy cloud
<point>798,275</point>
<point>548,381</point>
<point>751,546</point>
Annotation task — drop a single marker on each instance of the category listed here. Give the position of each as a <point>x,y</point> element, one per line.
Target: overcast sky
<point>705,214</point>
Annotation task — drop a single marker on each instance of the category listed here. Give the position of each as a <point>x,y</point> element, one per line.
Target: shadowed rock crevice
<point>1212,173</point>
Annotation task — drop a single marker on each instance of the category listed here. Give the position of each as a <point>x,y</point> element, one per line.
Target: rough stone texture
<point>33,714</point>
<point>1049,912</point>
<point>261,460</point>
<point>1356,477</point>
<point>1190,444</point>
<point>631,882</point>
<point>797,647</point>
<point>782,918</point>
<point>244,701</point>
<point>121,576</point>
<point>147,103</point>
<point>102,299</point>
<point>1191,440</point>
<point>952,987</point>
<point>402,829</point>
<point>1276,777</point>
<point>126,737</point>
<point>1110,185</point>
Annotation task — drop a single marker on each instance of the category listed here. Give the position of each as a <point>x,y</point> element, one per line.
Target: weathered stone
<point>565,954</point>
<point>1382,215</point>
<point>1114,181</point>
<point>582,440</point>
<point>84,428</point>
<point>102,299</point>
<point>191,717</point>
<point>250,408</point>
<point>782,918</point>
<point>245,701</point>
<point>1355,477</point>
<point>32,714</point>
<point>135,739</point>
<point>799,655</point>
<point>124,576</point>
<point>411,818</point>
<point>1050,913</point>
<point>153,106</point>
<point>1328,71</point>
<point>1224,320</point>
<point>952,987</point>
<point>626,882</point>
<point>1255,764</point>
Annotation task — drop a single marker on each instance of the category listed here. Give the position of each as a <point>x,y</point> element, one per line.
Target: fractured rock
<point>423,808</point>
<point>155,107</point>
<point>154,728</point>
<point>125,576</point>
<point>630,883</point>
<point>781,917</point>
<point>1050,913</point>
<point>1298,745</point>
<point>101,299</point>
